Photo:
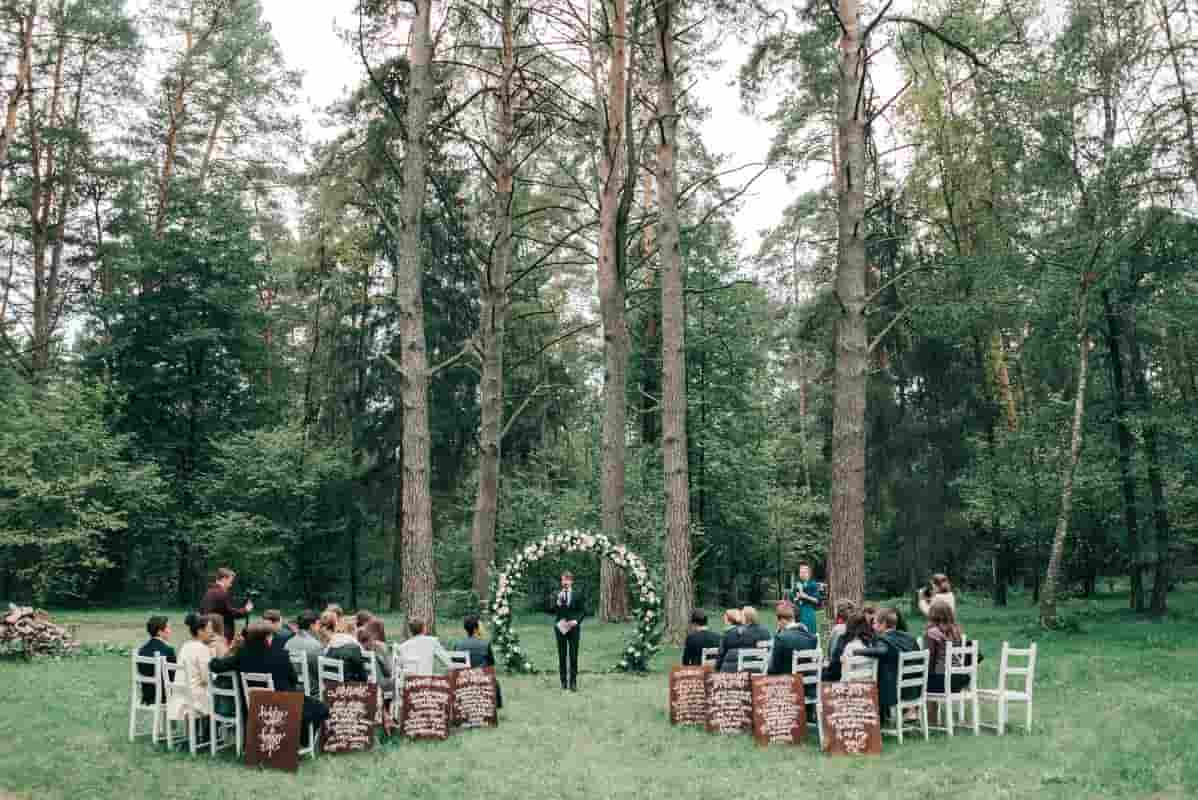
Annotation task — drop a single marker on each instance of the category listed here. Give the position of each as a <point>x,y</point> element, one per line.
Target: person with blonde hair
<point>744,635</point>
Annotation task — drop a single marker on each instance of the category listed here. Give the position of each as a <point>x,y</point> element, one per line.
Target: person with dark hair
<point>192,698</point>
<point>218,601</point>
<point>307,641</point>
<point>159,629</point>
<point>942,629</point>
<point>790,639</point>
<point>807,599</point>
<point>568,613</point>
<point>858,634</point>
<point>362,617</point>
<point>698,640</point>
<point>888,643</point>
<point>420,653</point>
<point>274,618</point>
<point>744,635</point>
<point>939,588</point>
<point>479,649</point>
<point>255,654</point>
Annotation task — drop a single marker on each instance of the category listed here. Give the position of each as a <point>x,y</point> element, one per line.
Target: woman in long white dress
<point>192,698</point>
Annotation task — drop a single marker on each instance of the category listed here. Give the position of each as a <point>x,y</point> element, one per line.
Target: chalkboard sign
<point>688,696</point>
<point>426,707</point>
<point>729,702</point>
<point>272,736</point>
<point>779,710</point>
<point>474,697</point>
<point>353,709</point>
<point>849,713</point>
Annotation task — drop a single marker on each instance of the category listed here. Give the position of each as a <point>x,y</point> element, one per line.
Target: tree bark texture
<point>19,89</point>
<point>846,557</point>
<point>679,590</point>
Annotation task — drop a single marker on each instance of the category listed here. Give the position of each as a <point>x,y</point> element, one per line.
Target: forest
<point>506,294</point>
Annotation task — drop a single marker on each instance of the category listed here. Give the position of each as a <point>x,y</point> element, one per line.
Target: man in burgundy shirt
<point>217,601</point>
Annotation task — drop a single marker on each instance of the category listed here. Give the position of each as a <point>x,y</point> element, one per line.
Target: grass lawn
<point>1115,717</point>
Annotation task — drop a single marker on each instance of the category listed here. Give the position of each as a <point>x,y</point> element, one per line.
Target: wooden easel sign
<point>427,701</point>
<point>779,710</point>
<point>353,709</point>
<point>849,713</point>
<point>688,696</point>
<point>273,732</point>
<point>729,702</point>
<point>475,698</point>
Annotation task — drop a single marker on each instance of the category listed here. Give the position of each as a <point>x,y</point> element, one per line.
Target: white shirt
<point>417,656</point>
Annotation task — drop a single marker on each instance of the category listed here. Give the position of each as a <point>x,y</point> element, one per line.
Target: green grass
<point>1115,718</point>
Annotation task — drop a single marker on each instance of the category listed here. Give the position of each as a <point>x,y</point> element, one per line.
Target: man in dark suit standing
<point>698,640</point>
<point>568,614</point>
<point>217,601</point>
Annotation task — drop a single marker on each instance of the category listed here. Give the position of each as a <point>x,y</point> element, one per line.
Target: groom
<point>568,614</point>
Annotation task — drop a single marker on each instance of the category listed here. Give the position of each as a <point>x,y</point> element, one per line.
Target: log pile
<point>30,631</point>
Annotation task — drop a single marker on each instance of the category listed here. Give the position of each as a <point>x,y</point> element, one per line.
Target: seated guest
<point>192,698</point>
<point>328,626</point>
<point>871,613</point>
<point>361,618</point>
<point>158,645</point>
<point>791,638</point>
<point>218,644</point>
<point>371,646</point>
<point>282,633</point>
<point>733,619</point>
<point>335,610</point>
<point>420,652</point>
<point>857,636</point>
<point>845,610</point>
<point>698,640</point>
<point>888,643</point>
<point>753,627</point>
<point>942,629</point>
<point>739,637</point>
<point>343,646</point>
<point>478,648</point>
<point>255,654</point>
<point>307,641</point>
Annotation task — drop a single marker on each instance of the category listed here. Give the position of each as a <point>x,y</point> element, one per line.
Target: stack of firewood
<point>29,630</point>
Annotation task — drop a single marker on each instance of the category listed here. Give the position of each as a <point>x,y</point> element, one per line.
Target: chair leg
<point>898,718</point>
<point>949,711</point>
<point>923,717</point>
<point>977,722</point>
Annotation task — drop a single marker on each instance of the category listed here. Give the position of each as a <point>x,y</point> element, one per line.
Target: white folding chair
<point>372,667</point>
<point>256,680</point>
<point>752,659</point>
<point>329,669</point>
<point>178,684</point>
<point>809,664</point>
<point>959,660</point>
<point>1005,694</point>
<point>912,674</point>
<point>397,683</point>
<point>220,724</point>
<point>299,660</point>
<point>859,669</point>
<point>710,655</point>
<point>157,709</point>
<point>459,659</point>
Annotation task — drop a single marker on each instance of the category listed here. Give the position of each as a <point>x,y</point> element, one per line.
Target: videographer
<point>217,600</point>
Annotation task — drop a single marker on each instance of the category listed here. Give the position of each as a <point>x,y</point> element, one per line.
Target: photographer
<point>218,601</point>
<point>939,589</point>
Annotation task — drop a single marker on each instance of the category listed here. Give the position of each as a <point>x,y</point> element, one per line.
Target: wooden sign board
<point>688,696</point>
<point>272,736</point>
<point>427,701</point>
<point>353,709</point>
<point>729,702</point>
<point>475,697</point>
<point>779,710</point>
<point>849,713</point>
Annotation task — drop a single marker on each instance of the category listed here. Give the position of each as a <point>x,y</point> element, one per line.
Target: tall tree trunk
<point>613,600</point>
<point>396,576</point>
<point>19,89</point>
<point>1048,595</point>
<point>493,320</point>
<point>210,147</point>
<point>650,400</point>
<point>846,556</point>
<point>1127,478</point>
<point>679,588</point>
<point>1186,103</point>
<point>175,119</point>
<point>419,576</point>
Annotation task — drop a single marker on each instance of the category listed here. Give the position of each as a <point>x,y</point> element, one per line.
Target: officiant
<point>568,612</point>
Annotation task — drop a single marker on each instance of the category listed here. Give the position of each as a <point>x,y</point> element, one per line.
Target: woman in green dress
<point>807,598</point>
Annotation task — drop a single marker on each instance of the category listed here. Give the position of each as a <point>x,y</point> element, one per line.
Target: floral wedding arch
<point>646,604</point>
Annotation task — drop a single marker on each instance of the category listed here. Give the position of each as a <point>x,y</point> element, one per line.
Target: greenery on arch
<point>646,608</point>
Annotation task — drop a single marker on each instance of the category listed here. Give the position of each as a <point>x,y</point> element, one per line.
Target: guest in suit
<point>218,601</point>
<point>343,645</point>
<point>274,618</point>
<point>743,636</point>
<point>159,629</point>
<point>698,640</point>
<point>753,628</point>
<point>307,641</point>
<point>479,649</point>
<point>568,614</point>
<point>255,654</point>
<point>422,652</point>
<point>790,639</point>
<point>807,599</point>
<point>888,644</point>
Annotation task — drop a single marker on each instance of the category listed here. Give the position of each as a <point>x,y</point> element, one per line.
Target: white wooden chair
<point>912,674</point>
<point>959,660</point>
<point>328,669</point>
<point>221,724</point>
<point>859,669</point>
<point>299,660</point>
<point>137,709</point>
<point>397,683</point>
<point>372,667</point>
<point>178,683</point>
<point>752,659</point>
<point>459,659</point>
<point>809,664</point>
<point>710,655</point>
<point>1006,693</point>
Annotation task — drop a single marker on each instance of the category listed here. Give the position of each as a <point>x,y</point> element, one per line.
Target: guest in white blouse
<point>195,654</point>
<point>419,654</point>
<point>938,590</point>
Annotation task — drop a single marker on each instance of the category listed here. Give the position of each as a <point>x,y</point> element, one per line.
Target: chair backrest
<point>372,666</point>
<point>711,655</point>
<point>459,659</point>
<point>154,665</point>
<point>960,659</point>
<point>765,644</point>
<point>299,660</point>
<point>752,660</point>
<point>329,669</point>
<point>175,678</point>
<point>862,669</point>
<point>913,673</point>
<point>1027,657</point>
<point>256,680</point>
